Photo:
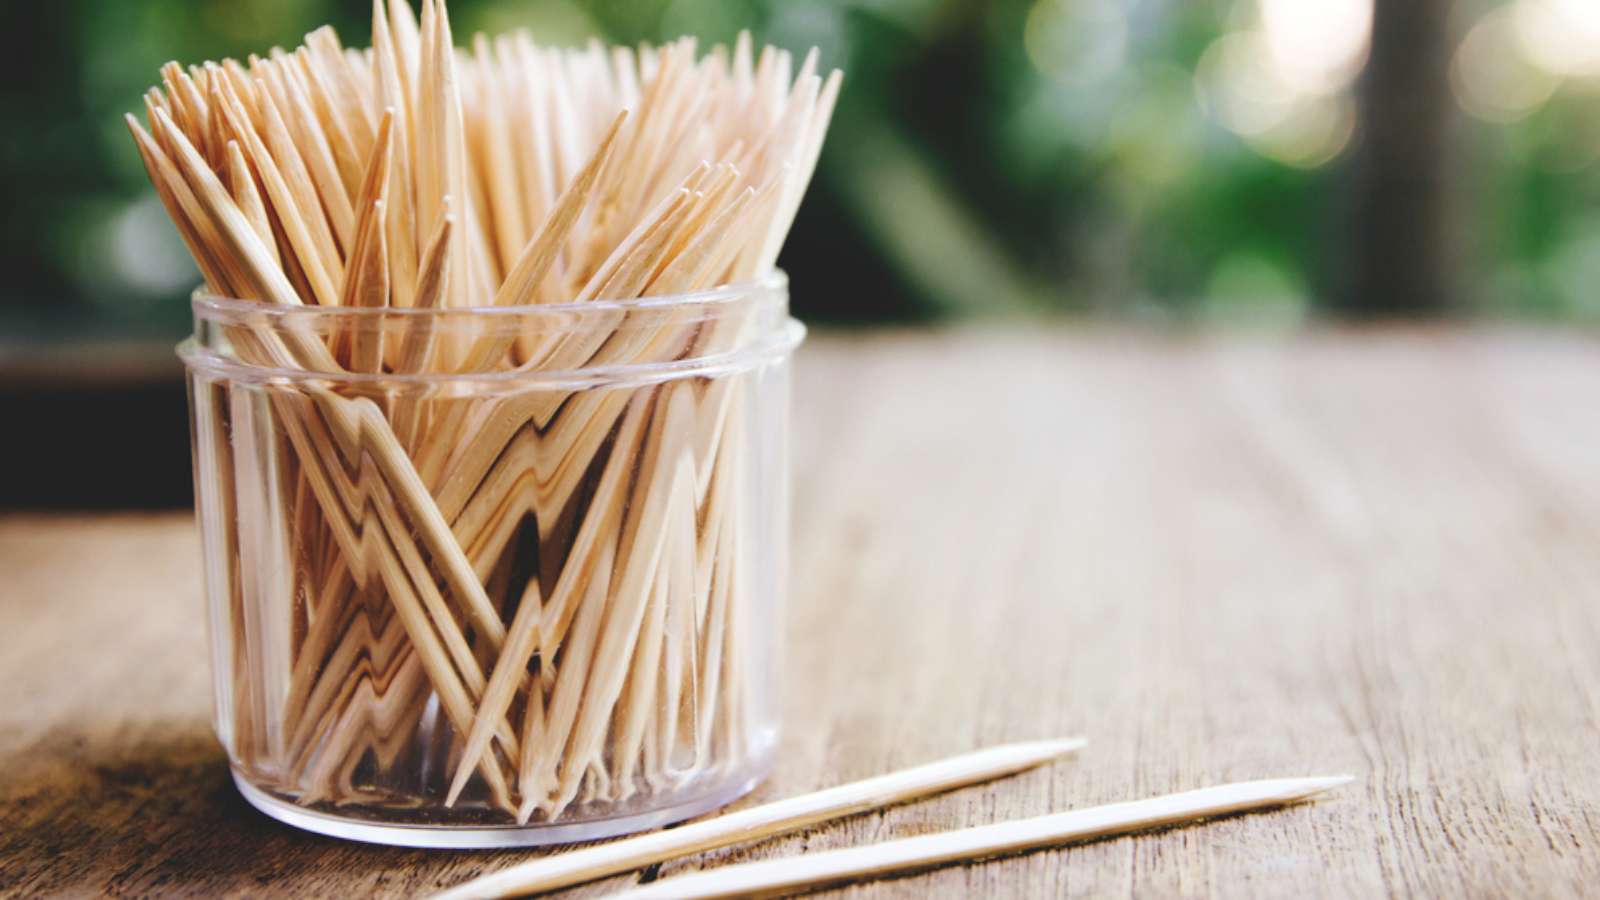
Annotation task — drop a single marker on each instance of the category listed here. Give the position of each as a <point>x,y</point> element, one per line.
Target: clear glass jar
<point>464,603</point>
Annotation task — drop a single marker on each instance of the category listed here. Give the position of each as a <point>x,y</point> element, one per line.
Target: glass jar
<point>494,576</point>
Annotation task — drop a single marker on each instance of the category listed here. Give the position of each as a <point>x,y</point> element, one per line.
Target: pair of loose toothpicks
<point>810,870</point>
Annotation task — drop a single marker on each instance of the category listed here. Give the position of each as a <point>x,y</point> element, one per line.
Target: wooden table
<point>1219,559</point>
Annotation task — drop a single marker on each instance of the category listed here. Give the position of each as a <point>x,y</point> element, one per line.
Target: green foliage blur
<point>1013,157</point>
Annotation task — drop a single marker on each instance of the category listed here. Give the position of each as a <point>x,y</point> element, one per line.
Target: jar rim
<point>776,346</point>
<point>762,303</point>
<point>776,339</point>
<point>776,280</point>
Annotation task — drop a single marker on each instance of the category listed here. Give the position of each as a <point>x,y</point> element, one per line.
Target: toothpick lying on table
<point>412,176</point>
<point>775,877</point>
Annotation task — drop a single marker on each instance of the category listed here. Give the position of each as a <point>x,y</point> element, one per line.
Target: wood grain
<point>1219,559</point>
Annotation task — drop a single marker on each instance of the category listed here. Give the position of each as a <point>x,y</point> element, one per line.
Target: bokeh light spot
<point>1076,41</point>
<point>1560,36</point>
<point>1492,77</point>
<point>1318,46</point>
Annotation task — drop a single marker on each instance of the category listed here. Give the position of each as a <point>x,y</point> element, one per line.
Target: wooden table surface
<point>1219,559</point>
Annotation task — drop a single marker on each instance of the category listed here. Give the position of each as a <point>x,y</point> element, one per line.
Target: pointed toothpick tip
<point>1064,746</point>
<point>1322,783</point>
<point>456,786</point>
<point>1293,790</point>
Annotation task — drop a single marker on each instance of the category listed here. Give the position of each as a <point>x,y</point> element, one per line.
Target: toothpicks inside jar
<point>512,587</point>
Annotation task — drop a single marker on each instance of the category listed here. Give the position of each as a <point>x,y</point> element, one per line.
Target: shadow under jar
<point>494,577</point>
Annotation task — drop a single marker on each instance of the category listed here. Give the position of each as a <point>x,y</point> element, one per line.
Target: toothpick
<point>367,271</point>
<point>392,95</point>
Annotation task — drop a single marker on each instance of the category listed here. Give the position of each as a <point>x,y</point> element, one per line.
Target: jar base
<point>484,837</point>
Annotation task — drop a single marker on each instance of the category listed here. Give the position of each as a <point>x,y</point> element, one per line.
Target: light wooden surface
<point>1219,559</point>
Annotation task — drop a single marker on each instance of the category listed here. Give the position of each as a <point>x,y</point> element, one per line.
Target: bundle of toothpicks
<point>375,543</point>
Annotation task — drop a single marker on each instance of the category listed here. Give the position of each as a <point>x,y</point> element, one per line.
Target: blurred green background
<point>1260,165</point>
<point>1257,162</point>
